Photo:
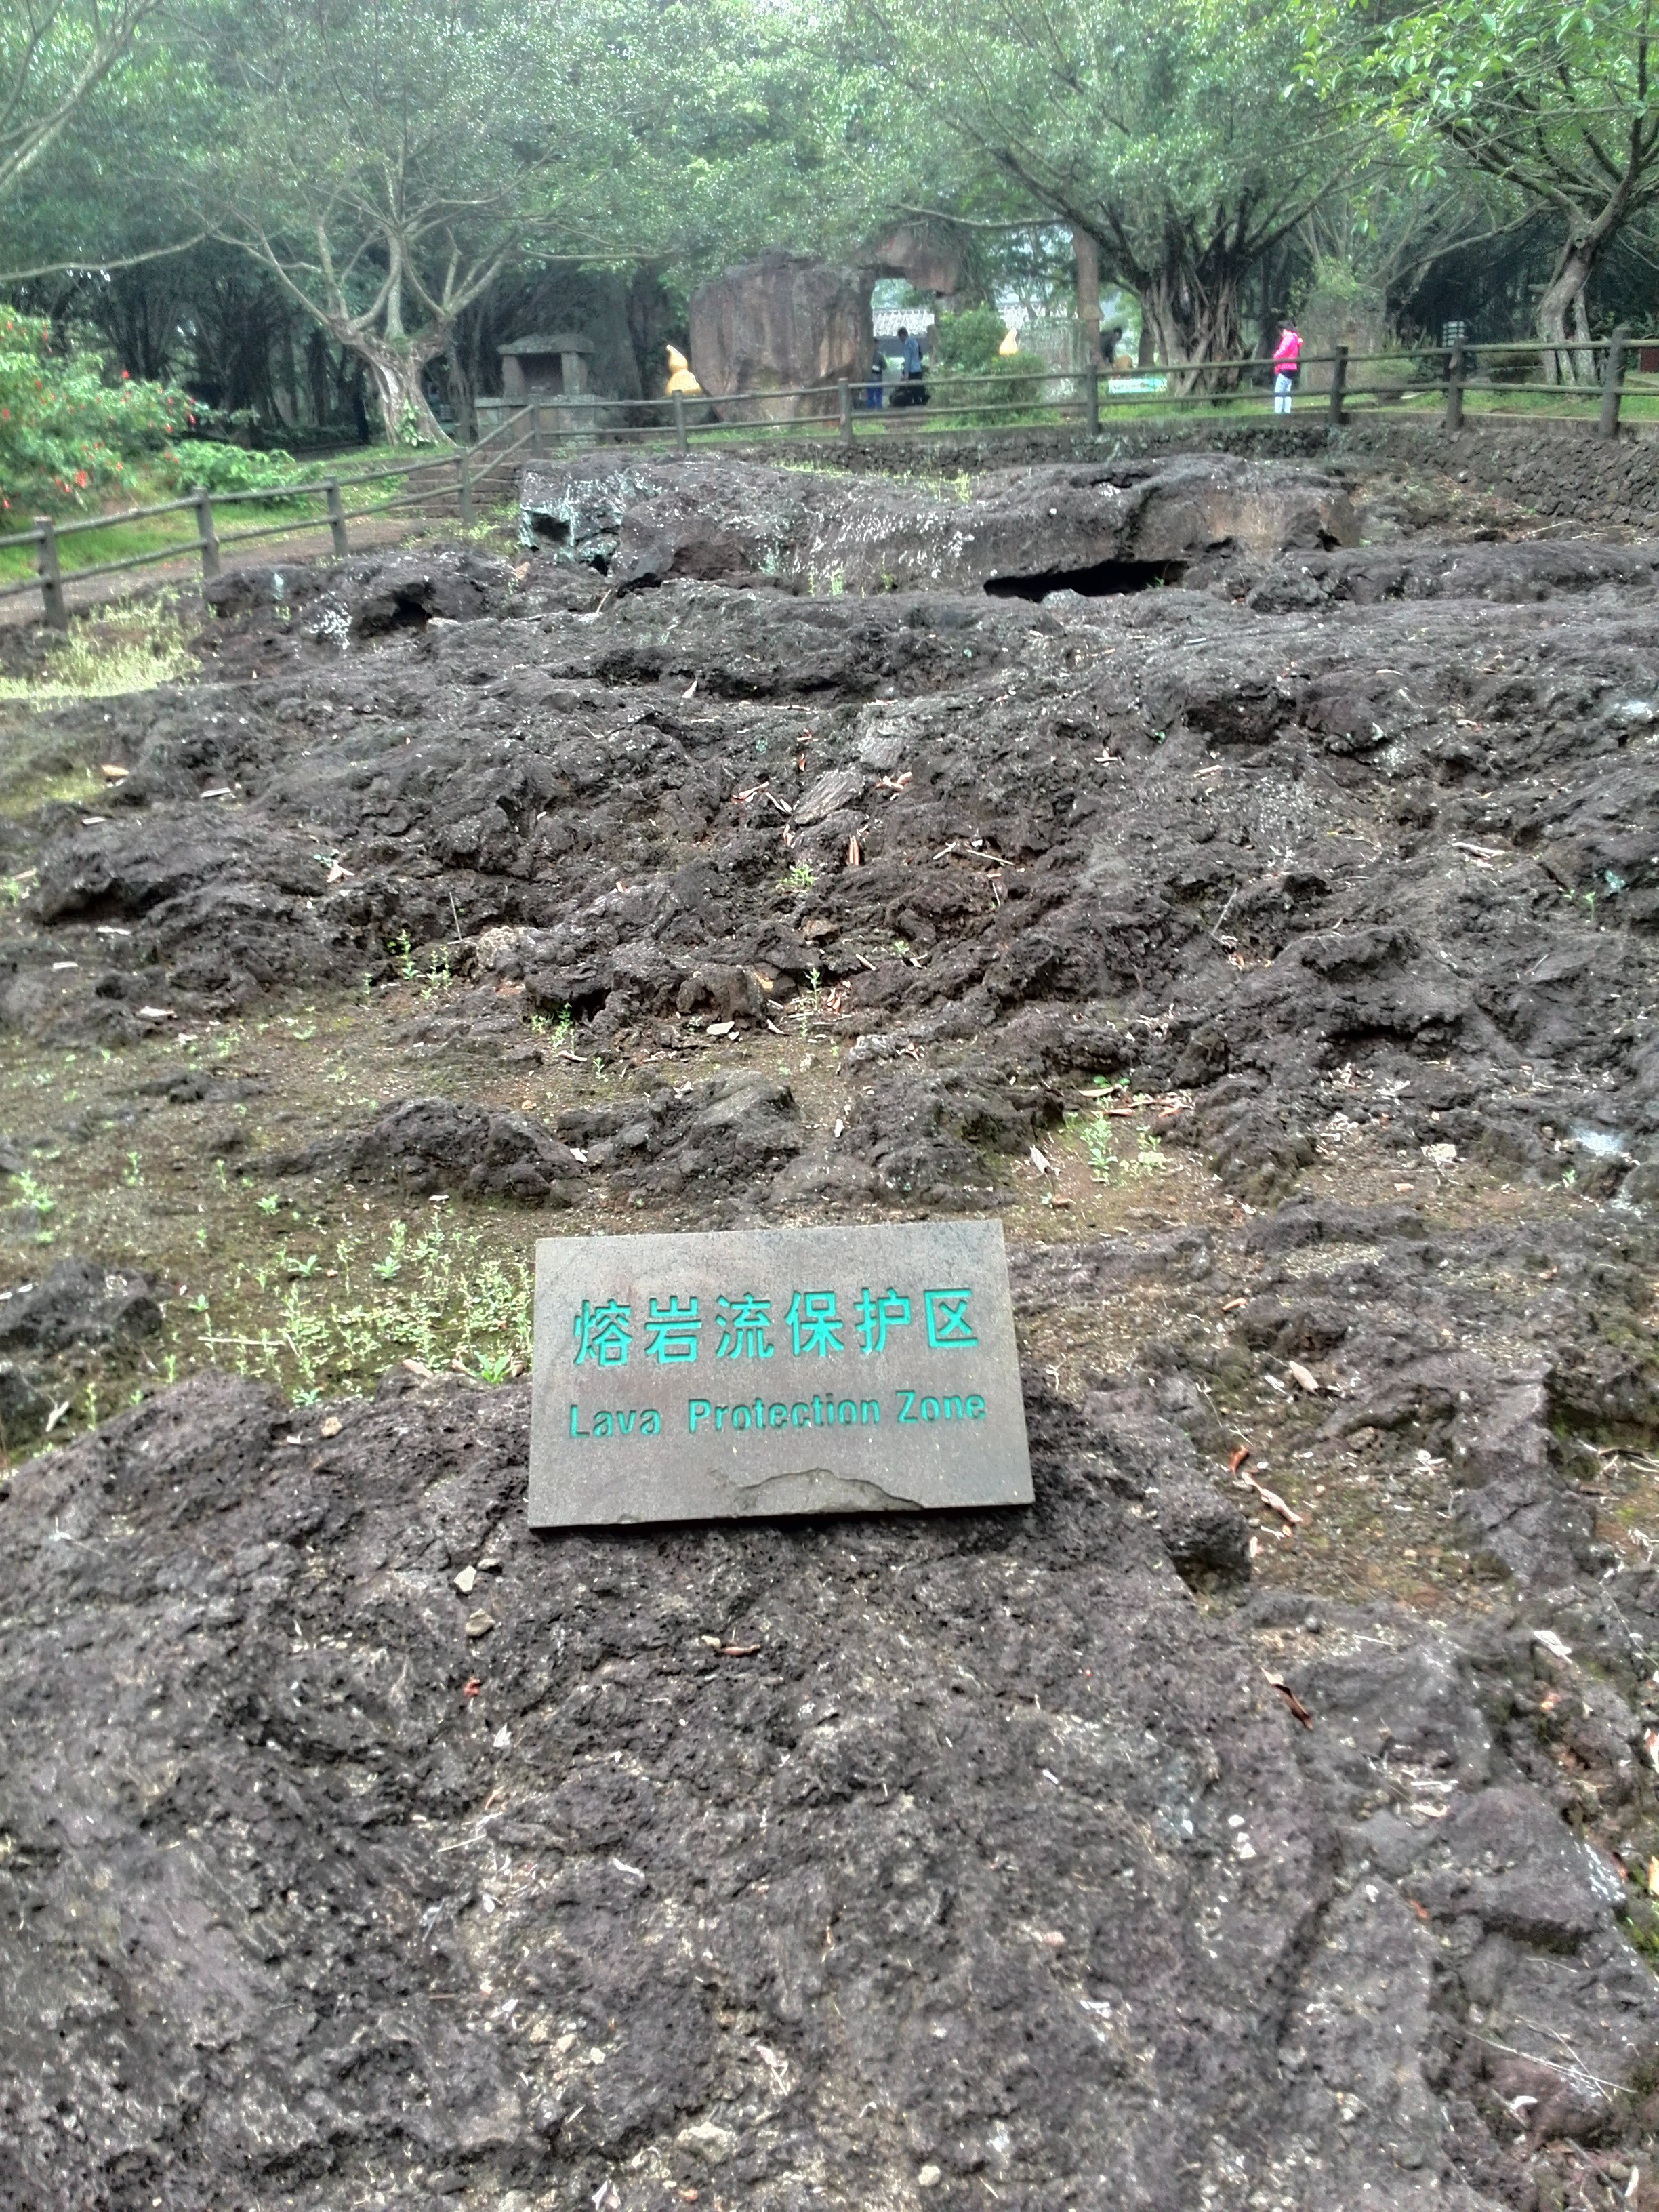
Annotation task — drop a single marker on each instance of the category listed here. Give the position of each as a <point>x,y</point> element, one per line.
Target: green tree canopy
<point>54,55</point>
<point>1183,139</point>
<point>1557,103</point>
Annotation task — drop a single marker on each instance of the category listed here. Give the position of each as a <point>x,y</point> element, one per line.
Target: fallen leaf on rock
<point>1298,1711</point>
<point>719,1029</point>
<point>1421,1911</point>
<point>465,1580</point>
<point>112,772</point>
<point>1236,1459</point>
<point>1271,1499</point>
<point>479,1624</point>
<point>1040,1160</point>
<point>419,1367</point>
<point>1302,1376</point>
<point>157,1014</point>
<point>57,1414</point>
<point>219,791</point>
<point>739,1650</point>
<point>853,856</point>
<point>471,1687</point>
<point>331,1427</point>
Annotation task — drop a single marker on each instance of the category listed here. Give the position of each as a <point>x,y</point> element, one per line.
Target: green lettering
<point>696,1411</point>
<point>575,1431</point>
<point>800,1416</point>
<point>952,1408</point>
<point>777,1417</point>
<point>977,1408</point>
<point>650,1422</point>
<point>601,1425</point>
<point>869,1413</point>
<point>910,1398</point>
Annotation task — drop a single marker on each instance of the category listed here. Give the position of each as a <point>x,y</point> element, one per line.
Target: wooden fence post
<point>51,580</point>
<point>207,536</point>
<point>337,528</point>
<point>1339,383</point>
<point>463,479</point>
<point>1613,384</point>
<point>844,394</point>
<point>1455,389</point>
<point>679,424</point>
<point>1092,401</point>
<point>537,433</point>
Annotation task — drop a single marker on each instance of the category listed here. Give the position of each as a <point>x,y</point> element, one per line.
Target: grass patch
<point>440,1295</point>
<point>133,648</point>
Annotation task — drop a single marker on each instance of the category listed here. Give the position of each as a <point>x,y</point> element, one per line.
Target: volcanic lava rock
<point>79,1301</point>
<point>1098,527</point>
<point>425,1143</point>
<point>428,1835</point>
<point>732,1128</point>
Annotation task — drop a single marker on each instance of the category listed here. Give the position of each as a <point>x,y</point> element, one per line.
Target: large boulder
<point>1096,527</point>
<point>778,325</point>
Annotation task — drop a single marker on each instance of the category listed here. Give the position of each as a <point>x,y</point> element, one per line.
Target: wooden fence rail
<point>840,415</point>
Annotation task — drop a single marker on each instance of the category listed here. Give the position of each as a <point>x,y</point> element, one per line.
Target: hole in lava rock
<point>552,532</point>
<point>1105,579</point>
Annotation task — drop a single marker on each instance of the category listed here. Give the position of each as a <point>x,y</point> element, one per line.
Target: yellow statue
<point>680,378</point>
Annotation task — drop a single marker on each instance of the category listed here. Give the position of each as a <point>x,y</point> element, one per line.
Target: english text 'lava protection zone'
<point>775,1371</point>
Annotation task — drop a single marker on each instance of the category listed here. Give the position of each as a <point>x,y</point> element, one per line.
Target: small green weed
<point>1099,1133</point>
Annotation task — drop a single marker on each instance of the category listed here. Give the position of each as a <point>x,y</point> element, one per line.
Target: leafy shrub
<point>226,468</point>
<point>1010,385</point>
<point>968,341</point>
<point>66,432</point>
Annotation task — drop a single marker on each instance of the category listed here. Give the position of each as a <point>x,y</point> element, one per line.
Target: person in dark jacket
<point>913,386</point>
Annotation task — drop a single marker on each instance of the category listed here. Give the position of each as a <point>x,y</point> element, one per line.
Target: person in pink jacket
<point>1286,353</point>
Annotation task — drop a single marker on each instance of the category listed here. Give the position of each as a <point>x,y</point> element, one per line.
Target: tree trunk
<point>1561,319</point>
<point>1192,323</point>
<point>399,373</point>
<point>1087,252</point>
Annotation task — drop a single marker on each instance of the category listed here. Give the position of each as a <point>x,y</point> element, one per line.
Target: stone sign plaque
<point>772,1371</point>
